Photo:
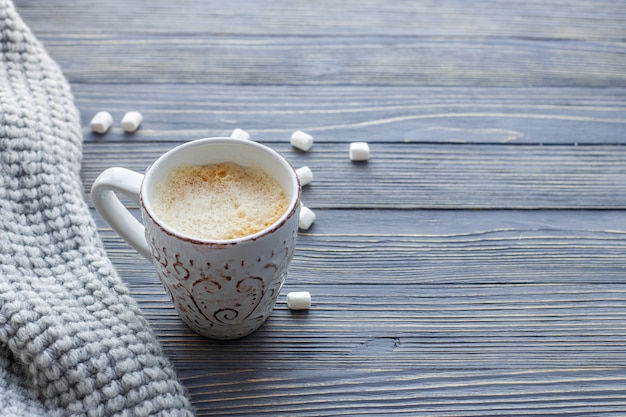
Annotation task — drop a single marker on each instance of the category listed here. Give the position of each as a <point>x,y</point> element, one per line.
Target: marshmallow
<point>300,300</point>
<point>240,134</point>
<point>131,121</point>
<point>101,122</point>
<point>305,175</point>
<point>307,217</point>
<point>301,140</point>
<point>359,151</point>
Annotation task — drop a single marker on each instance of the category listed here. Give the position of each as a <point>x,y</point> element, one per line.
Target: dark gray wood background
<point>476,265</point>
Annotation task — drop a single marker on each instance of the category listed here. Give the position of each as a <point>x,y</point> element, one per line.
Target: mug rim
<point>294,202</point>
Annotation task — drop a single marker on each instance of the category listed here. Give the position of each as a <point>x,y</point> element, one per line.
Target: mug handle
<point>128,183</point>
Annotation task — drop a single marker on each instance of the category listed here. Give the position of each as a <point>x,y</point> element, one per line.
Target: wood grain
<point>564,116</point>
<point>427,176</point>
<point>501,274</point>
<point>413,310</point>
<point>387,392</point>
<point>446,43</point>
<point>345,61</point>
<point>447,18</point>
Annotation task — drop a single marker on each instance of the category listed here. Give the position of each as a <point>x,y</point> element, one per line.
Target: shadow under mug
<point>222,289</point>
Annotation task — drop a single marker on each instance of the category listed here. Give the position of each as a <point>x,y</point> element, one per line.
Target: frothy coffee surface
<point>219,201</point>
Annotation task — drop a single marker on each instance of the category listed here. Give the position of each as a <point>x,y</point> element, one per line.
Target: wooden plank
<point>412,393</point>
<point>420,327</point>
<point>420,44</point>
<point>374,113</point>
<point>449,18</point>
<point>423,247</point>
<point>263,60</point>
<point>426,176</point>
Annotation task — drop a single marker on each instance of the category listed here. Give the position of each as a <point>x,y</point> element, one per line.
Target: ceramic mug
<point>222,289</point>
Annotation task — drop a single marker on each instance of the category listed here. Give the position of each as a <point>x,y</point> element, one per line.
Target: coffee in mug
<point>219,201</point>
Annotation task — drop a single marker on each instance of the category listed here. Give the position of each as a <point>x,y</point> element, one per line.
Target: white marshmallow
<point>307,217</point>
<point>240,134</point>
<point>300,300</point>
<point>131,121</point>
<point>359,151</point>
<point>301,140</point>
<point>101,122</point>
<point>305,175</point>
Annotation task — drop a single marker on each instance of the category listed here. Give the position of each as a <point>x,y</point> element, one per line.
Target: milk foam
<point>219,201</point>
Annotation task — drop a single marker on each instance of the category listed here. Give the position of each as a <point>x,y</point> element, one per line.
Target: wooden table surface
<point>476,265</point>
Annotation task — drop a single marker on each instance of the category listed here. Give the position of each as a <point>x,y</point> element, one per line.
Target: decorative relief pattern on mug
<point>213,297</point>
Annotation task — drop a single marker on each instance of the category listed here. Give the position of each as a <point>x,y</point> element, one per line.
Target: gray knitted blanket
<point>72,340</point>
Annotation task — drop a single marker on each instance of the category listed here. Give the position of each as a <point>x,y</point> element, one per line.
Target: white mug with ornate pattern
<point>222,289</point>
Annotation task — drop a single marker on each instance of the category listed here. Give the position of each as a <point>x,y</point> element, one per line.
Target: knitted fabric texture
<point>73,342</point>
